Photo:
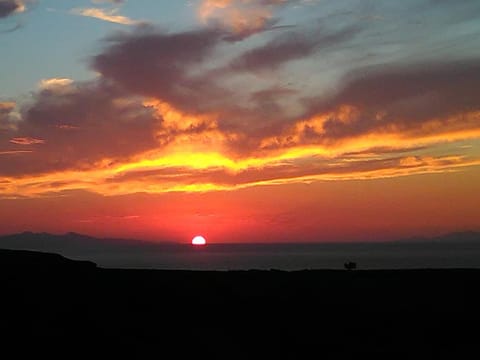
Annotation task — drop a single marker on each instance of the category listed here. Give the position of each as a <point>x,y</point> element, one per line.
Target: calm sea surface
<point>290,256</point>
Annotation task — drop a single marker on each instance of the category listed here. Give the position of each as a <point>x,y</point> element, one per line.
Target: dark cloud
<point>398,97</point>
<point>390,85</point>
<point>164,64</point>
<point>8,7</point>
<point>167,67</point>
<point>75,129</point>
<point>403,97</point>
<point>288,47</point>
<point>161,62</point>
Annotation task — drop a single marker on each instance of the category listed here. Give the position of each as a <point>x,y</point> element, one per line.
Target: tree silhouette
<point>350,265</point>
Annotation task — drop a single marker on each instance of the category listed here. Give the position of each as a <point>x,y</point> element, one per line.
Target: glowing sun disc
<point>199,240</point>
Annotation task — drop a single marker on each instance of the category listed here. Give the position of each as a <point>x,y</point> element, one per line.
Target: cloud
<point>26,141</point>
<point>196,111</point>
<point>169,67</point>
<point>186,179</point>
<point>419,98</point>
<point>6,111</point>
<point>163,61</point>
<point>290,46</point>
<point>241,17</point>
<point>401,116</point>
<point>14,152</point>
<point>96,125</point>
<point>6,107</point>
<point>286,172</point>
<point>108,1</point>
<point>110,15</point>
<point>10,7</point>
<point>57,85</point>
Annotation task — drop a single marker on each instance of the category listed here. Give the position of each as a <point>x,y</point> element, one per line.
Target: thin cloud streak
<point>109,15</point>
<point>26,141</point>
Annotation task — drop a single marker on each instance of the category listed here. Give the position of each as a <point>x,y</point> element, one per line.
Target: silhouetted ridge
<point>59,243</point>
<point>75,308</point>
<point>31,259</point>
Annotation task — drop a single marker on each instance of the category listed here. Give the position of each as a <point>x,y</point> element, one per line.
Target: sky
<point>240,120</point>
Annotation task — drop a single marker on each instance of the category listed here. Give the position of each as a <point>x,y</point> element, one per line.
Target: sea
<point>288,256</point>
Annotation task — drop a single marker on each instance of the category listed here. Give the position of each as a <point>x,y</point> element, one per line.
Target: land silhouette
<point>56,306</point>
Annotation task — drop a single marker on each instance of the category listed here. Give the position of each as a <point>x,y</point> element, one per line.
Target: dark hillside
<point>54,305</point>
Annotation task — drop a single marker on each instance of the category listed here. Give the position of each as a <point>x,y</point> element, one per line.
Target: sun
<point>199,241</point>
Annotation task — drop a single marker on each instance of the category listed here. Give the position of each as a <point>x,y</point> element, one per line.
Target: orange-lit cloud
<point>6,108</point>
<point>186,121</point>
<point>26,141</point>
<point>110,15</point>
<point>199,162</point>
<point>241,17</point>
<point>6,114</point>
<point>14,152</point>
<point>59,85</point>
<point>207,172</point>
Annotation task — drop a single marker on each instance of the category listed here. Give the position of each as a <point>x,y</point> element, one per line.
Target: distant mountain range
<point>69,243</point>
<point>74,242</point>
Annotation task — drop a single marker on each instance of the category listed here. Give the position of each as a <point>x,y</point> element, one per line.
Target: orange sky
<point>323,211</point>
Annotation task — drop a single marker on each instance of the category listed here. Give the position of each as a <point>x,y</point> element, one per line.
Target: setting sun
<point>199,241</point>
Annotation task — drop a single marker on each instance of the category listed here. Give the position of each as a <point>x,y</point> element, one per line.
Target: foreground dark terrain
<point>55,306</point>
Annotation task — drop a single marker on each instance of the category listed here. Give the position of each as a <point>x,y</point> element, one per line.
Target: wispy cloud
<point>242,17</point>
<point>14,152</point>
<point>26,141</point>
<point>110,15</point>
<point>108,1</point>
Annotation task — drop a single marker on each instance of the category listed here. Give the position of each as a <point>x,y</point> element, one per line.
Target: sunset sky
<point>241,120</point>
